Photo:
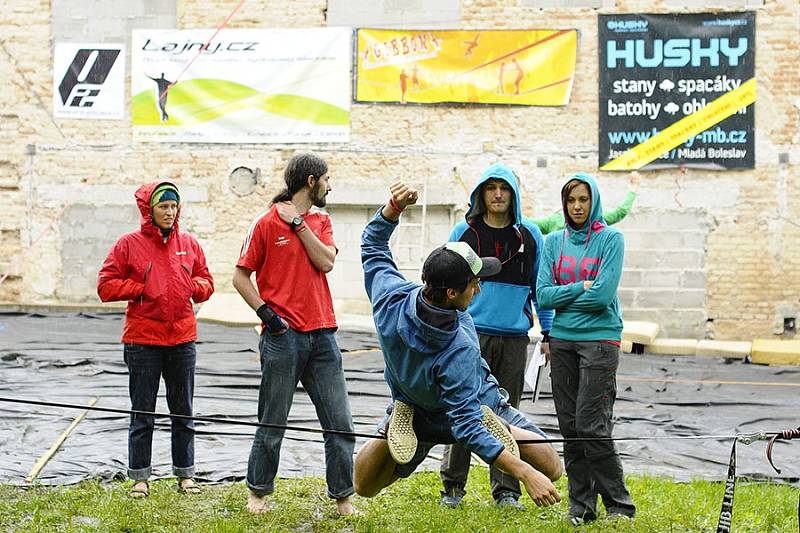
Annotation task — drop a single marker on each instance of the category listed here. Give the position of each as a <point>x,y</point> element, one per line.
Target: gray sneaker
<point>451,498</point>
<point>579,520</point>
<point>619,517</point>
<point>400,434</point>
<point>509,501</point>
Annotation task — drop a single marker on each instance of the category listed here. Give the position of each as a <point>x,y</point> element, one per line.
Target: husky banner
<point>522,67</point>
<point>677,90</point>
<point>244,86</point>
<point>89,81</point>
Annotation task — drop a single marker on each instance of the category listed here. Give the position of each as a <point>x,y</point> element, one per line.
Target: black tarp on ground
<point>71,358</point>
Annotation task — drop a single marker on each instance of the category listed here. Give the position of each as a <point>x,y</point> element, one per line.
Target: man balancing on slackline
<point>442,389</point>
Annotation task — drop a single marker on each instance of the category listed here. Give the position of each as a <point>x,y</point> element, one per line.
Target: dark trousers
<point>584,376</point>
<point>312,358</point>
<point>506,357</point>
<point>146,365</point>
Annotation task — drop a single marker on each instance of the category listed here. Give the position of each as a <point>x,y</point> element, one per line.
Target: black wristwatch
<point>296,222</point>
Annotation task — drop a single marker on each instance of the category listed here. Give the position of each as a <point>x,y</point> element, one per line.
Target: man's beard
<point>317,196</point>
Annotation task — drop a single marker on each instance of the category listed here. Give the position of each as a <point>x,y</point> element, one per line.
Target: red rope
<point>205,46</point>
<point>786,434</point>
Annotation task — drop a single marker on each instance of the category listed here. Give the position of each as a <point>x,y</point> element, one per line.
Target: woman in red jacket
<point>159,271</point>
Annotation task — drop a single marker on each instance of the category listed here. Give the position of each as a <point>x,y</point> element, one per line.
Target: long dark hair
<point>299,168</point>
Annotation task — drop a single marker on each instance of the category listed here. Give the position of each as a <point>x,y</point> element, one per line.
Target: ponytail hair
<point>299,168</point>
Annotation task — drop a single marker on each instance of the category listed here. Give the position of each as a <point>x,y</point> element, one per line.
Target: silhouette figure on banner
<point>163,89</point>
<point>500,89</point>
<point>471,45</point>
<point>403,86</point>
<point>520,76</point>
<point>517,81</point>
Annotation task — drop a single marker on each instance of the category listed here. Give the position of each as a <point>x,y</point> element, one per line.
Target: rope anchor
<point>749,438</point>
<point>787,434</point>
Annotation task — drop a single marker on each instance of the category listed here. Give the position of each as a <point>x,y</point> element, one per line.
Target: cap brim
<point>491,266</point>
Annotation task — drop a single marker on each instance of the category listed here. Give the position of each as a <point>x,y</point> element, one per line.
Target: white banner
<point>89,81</point>
<point>246,86</point>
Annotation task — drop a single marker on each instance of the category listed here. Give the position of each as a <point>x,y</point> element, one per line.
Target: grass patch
<point>409,505</point>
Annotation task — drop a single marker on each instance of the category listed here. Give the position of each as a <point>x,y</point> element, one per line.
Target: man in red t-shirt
<point>291,248</point>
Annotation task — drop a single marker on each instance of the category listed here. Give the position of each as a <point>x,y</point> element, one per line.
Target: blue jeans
<point>312,358</point>
<point>429,435</point>
<point>146,365</point>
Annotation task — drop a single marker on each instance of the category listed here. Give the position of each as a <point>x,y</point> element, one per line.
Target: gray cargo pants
<point>584,376</point>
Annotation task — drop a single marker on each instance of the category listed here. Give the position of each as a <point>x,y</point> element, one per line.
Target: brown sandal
<point>187,485</point>
<point>138,493</point>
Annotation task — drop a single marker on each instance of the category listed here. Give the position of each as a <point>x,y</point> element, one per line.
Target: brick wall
<point>709,254</point>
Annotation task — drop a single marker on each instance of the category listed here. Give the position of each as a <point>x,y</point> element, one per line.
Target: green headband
<point>165,189</point>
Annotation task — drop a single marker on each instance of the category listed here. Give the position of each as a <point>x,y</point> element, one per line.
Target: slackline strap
<point>726,513</point>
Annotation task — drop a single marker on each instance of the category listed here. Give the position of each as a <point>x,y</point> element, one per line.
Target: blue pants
<point>146,365</point>
<point>312,358</point>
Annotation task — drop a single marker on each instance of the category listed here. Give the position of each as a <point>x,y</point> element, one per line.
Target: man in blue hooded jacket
<point>502,312</point>
<point>442,389</point>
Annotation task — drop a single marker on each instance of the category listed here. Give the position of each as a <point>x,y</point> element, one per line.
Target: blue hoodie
<point>593,252</point>
<point>503,307</point>
<point>440,373</point>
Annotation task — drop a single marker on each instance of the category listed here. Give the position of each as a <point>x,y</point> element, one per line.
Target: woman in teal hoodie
<point>578,277</point>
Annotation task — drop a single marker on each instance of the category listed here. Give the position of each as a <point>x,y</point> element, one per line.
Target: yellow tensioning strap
<point>677,133</point>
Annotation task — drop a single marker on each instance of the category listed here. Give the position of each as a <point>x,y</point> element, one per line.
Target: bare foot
<point>257,504</point>
<point>345,507</point>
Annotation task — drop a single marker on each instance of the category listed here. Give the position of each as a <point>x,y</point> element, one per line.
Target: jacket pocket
<point>145,278</point>
<point>185,283</point>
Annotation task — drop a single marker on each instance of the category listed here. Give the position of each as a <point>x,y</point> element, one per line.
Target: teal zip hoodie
<point>571,256</point>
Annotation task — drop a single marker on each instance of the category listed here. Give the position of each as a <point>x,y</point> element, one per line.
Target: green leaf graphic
<point>196,101</point>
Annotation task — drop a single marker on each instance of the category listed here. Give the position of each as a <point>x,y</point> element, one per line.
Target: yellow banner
<point>687,127</point>
<point>522,67</point>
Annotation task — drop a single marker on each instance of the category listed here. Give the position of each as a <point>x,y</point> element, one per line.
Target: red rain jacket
<point>159,279</point>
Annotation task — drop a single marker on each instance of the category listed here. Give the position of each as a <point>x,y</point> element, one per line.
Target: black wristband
<point>545,336</point>
<point>270,318</point>
<point>265,313</point>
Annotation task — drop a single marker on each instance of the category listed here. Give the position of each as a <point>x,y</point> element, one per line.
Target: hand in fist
<point>403,195</point>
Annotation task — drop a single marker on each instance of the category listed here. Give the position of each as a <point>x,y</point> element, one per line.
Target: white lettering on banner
<point>727,153</point>
<point>634,86</point>
<point>693,105</point>
<point>634,109</point>
<point>719,84</point>
<point>692,153</point>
